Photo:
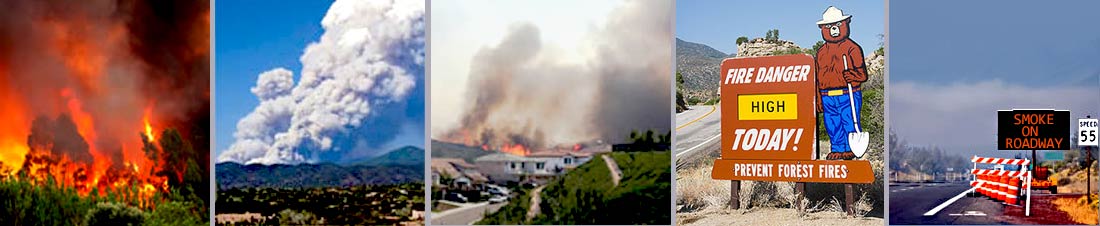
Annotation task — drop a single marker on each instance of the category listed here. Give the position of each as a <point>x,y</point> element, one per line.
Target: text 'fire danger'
<point>793,73</point>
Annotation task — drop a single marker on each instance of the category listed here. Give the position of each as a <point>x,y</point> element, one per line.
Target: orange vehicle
<point>1042,180</point>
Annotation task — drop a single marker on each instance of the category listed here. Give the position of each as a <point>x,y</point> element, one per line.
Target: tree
<point>681,104</point>
<point>742,39</point>
<point>181,166</point>
<point>813,50</point>
<point>772,35</point>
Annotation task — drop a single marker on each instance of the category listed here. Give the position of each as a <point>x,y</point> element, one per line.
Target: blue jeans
<point>838,119</point>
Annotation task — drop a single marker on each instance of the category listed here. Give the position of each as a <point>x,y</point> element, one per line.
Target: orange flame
<point>148,127</point>
<point>516,149</point>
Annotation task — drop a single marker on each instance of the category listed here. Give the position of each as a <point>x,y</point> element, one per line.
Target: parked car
<point>456,197</point>
<point>498,199</point>
<point>497,190</point>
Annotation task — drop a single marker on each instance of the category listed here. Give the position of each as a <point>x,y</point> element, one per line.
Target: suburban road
<point>697,134</point>
<point>466,214</point>
<point>909,203</point>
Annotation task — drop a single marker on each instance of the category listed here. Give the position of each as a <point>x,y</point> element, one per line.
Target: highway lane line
<point>697,146</point>
<point>712,109</point>
<point>952,200</point>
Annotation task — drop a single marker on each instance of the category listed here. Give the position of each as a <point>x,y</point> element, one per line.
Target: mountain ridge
<point>395,167</point>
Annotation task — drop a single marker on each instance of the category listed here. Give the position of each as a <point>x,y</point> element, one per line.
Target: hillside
<point>407,155</point>
<point>441,149</point>
<point>698,64</point>
<point>404,165</point>
<point>586,195</point>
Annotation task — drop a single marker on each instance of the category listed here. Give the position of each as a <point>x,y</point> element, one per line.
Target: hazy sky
<point>718,23</point>
<point>454,41</point>
<point>954,63</point>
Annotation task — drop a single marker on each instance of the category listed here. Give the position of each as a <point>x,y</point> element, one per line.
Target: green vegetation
<point>27,203</point>
<point>742,39</point>
<point>681,104</point>
<point>358,205</point>
<point>790,51</point>
<point>772,35</point>
<point>108,214</point>
<point>586,196</point>
<point>43,201</point>
<point>713,101</point>
<point>817,45</point>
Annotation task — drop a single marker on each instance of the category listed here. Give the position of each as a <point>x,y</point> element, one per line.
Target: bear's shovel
<point>857,140</point>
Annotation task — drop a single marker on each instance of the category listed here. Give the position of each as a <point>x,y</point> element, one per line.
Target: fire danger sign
<point>769,124</point>
<point>768,107</point>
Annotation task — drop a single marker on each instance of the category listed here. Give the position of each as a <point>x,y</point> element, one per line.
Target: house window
<point>540,165</point>
<point>523,165</point>
<point>513,165</point>
<point>568,160</point>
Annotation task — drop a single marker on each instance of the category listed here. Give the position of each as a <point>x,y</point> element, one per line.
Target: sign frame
<point>1033,129</point>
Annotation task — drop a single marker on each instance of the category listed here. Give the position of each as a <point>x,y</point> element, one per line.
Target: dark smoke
<point>59,137</point>
<point>172,38</point>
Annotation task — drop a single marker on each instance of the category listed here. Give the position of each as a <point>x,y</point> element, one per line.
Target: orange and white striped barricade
<point>1006,189</point>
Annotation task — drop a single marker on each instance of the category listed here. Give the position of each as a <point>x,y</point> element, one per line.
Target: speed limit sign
<point>1086,132</point>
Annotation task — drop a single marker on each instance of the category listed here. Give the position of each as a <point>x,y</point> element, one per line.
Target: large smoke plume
<point>105,65</point>
<point>354,92</point>
<point>519,92</point>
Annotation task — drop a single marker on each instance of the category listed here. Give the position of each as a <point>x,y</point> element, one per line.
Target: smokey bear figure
<point>839,66</point>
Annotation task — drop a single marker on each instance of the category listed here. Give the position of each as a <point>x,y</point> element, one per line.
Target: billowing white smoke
<point>369,58</point>
<point>522,92</point>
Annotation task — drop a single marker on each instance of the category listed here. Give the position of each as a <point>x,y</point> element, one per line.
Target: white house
<point>503,167</point>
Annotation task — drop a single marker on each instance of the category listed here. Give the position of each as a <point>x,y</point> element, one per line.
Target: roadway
<point>465,214</point>
<point>910,202</point>
<point>697,134</point>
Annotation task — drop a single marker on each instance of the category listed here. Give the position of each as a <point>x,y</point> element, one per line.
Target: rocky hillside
<point>762,47</point>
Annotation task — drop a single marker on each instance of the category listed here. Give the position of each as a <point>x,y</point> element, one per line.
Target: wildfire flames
<point>462,137</point>
<point>516,149</point>
<point>83,84</point>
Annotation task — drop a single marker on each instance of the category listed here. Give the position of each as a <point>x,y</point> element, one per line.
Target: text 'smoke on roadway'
<point>769,124</point>
<point>1033,130</point>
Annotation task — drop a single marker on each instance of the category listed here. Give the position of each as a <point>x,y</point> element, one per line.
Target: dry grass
<point>1078,209</point>
<point>697,191</point>
<point>1073,180</point>
<point>863,205</point>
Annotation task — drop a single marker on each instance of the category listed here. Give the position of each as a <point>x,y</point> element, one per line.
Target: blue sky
<point>252,37</point>
<point>718,23</point>
<point>952,64</point>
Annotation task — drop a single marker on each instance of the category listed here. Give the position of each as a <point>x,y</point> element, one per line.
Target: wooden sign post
<point>769,127</point>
